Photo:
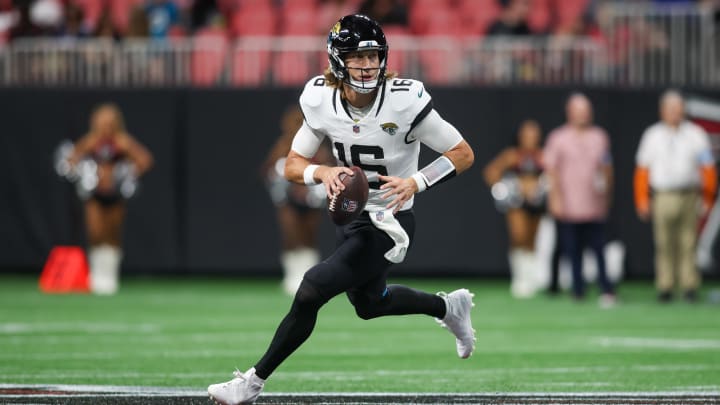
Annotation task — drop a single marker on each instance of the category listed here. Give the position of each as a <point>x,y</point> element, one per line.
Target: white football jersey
<point>386,141</point>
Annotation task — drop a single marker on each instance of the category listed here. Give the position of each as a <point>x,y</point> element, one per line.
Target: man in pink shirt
<point>579,165</point>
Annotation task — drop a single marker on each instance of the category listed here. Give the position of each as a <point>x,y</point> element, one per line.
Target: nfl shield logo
<point>380,216</point>
<point>349,205</point>
<point>356,128</point>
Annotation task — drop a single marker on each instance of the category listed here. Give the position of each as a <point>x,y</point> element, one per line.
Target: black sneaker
<point>664,297</point>
<point>691,296</point>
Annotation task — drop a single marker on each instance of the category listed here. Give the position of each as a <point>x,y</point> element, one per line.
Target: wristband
<point>436,172</point>
<point>309,174</point>
<point>420,180</point>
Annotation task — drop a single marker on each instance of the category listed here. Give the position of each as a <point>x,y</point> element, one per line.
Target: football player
<point>375,121</point>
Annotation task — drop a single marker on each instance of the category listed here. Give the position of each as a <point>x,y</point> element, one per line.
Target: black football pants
<point>358,268</point>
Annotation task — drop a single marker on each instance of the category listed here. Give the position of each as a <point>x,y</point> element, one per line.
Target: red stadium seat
<point>249,67</point>
<point>540,16</point>
<point>259,20</point>
<point>569,11</point>
<point>444,22</point>
<point>299,20</point>
<point>292,68</point>
<point>477,15</point>
<point>421,13</point>
<point>208,59</point>
<point>439,57</point>
<point>298,4</point>
<point>396,35</point>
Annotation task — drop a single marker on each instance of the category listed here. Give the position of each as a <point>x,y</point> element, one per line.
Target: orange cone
<point>66,271</point>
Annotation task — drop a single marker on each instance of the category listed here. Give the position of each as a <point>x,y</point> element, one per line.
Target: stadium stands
<point>280,42</point>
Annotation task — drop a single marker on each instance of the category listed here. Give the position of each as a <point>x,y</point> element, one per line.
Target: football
<point>347,205</point>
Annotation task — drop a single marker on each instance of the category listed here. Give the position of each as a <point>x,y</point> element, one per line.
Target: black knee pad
<point>366,306</point>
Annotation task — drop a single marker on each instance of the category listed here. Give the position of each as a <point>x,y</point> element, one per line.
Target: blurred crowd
<point>161,19</point>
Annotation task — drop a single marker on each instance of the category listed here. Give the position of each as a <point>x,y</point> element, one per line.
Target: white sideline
<point>126,389</point>
<point>82,390</point>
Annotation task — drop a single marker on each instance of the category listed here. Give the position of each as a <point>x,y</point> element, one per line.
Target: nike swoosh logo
<point>421,92</point>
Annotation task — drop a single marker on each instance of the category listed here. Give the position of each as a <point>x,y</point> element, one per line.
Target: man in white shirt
<point>675,161</point>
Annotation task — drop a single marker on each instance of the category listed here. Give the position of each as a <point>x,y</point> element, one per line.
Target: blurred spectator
<point>138,25</point>
<point>385,12</point>
<point>73,26</point>
<point>514,178</point>
<point>202,12</point>
<point>25,26</point>
<point>105,27</point>
<point>111,160</point>
<point>579,167</point>
<point>300,208</point>
<point>513,19</point>
<point>162,15</point>
<point>675,161</point>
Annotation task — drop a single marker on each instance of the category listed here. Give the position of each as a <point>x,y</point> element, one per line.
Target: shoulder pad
<point>312,99</point>
<point>407,94</point>
<point>313,92</point>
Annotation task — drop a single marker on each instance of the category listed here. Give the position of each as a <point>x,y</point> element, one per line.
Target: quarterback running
<point>376,121</point>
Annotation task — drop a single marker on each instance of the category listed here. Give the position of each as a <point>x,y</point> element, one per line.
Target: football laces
<point>333,200</point>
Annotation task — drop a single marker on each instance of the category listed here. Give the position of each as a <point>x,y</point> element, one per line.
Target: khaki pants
<point>675,220</point>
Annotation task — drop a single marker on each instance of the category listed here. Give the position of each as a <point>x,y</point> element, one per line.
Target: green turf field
<point>192,332</point>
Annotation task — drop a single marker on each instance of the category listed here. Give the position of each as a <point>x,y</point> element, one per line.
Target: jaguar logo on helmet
<point>336,28</point>
<point>354,33</point>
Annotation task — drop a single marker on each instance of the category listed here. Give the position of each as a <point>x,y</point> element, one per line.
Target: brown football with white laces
<point>348,204</point>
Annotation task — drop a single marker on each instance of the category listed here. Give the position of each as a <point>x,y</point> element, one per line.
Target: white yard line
<point>657,343</point>
<point>78,327</point>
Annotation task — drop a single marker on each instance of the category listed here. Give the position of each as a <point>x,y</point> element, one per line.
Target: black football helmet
<point>354,33</point>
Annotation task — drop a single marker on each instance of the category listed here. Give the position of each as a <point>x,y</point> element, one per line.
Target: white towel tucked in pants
<point>386,222</point>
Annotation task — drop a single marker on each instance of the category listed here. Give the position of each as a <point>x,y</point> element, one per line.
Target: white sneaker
<point>607,301</point>
<point>243,389</point>
<point>457,320</point>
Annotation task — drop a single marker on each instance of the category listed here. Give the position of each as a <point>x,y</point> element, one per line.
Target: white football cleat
<point>457,320</point>
<point>243,389</point>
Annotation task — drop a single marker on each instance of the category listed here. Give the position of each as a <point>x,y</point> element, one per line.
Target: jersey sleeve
<point>311,101</point>
<point>411,101</point>
<point>436,133</point>
<point>307,141</point>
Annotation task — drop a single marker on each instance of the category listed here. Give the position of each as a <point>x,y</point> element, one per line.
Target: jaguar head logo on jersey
<point>354,33</point>
<point>389,127</point>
